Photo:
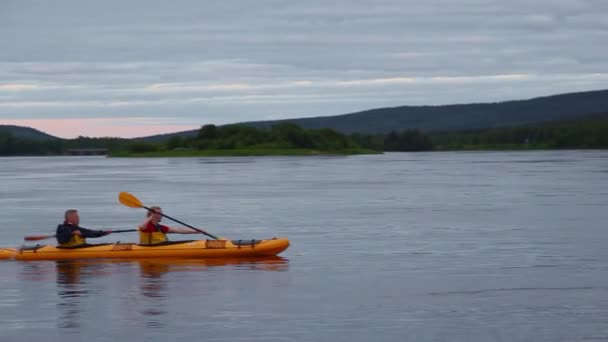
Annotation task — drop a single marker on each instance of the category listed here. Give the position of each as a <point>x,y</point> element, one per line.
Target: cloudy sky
<point>135,68</point>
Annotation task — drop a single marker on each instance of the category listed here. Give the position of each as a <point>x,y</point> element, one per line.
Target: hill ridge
<point>426,118</point>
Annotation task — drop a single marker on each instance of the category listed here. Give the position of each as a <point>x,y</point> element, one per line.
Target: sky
<point>138,68</point>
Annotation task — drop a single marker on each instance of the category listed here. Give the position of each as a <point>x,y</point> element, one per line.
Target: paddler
<point>70,235</point>
<point>151,232</point>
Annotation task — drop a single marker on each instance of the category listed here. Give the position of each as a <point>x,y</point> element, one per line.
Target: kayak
<point>176,249</point>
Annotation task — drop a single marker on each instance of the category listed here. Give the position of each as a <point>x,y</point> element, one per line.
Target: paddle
<point>43,237</point>
<point>132,201</point>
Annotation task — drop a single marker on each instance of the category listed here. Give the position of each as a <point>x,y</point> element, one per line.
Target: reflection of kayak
<point>178,249</point>
<point>162,265</point>
<point>270,262</point>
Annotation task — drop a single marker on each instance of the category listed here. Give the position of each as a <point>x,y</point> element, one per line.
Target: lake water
<point>483,246</point>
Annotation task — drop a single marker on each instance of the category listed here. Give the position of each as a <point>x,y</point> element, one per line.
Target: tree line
<point>583,134</point>
<point>19,146</point>
<point>590,133</point>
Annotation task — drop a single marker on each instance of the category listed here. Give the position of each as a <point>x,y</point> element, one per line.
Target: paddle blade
<point>129,200</point>
<point>38,237</point>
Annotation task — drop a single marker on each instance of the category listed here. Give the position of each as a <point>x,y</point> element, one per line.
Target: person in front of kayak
<point>70,235</point>
<point>151,232</point>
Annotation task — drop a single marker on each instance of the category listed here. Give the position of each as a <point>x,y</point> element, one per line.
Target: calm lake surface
<point>483,246</point>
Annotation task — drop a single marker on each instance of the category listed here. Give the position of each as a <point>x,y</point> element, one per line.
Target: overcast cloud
<point>181,64</point>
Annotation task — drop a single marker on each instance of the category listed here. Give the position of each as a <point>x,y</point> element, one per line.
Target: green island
<point>240,140</point>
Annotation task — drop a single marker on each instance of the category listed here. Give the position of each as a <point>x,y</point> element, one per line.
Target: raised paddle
<point>43,237</point>
<point>132,201</point>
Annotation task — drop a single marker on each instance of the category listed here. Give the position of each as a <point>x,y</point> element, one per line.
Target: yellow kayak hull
<point>188,249</point>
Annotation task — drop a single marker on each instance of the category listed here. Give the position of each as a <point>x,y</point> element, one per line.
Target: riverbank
<point>242,153</point>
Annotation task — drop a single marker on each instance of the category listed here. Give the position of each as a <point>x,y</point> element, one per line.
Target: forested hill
<point>423,118</point>
<point>448,117</point>
<point>25,133</point>
<point>459,117</point>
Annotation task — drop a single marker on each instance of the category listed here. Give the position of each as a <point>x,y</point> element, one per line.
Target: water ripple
<point>513,289</point>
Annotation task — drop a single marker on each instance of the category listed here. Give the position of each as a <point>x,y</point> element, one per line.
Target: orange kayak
<point>179,249</point>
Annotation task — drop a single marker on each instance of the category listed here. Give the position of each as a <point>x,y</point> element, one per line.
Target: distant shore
<point>242,153</point>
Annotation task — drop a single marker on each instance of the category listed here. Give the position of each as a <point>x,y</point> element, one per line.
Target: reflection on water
<point>418,247</point>
<point>266,263</point>
<point>154,289</point>
<point>35,271</point>
<point>154,286</point>
<point>70,290</point>
<point>77,281</point>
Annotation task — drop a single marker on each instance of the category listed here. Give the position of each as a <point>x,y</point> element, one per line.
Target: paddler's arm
<point>182,230</point>
<point>89,233</point>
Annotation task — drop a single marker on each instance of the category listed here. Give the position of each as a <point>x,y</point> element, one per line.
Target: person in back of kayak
<point>151,232</point>
<point>71,235</point>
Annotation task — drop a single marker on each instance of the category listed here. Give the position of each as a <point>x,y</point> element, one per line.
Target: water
<point>507,246</point>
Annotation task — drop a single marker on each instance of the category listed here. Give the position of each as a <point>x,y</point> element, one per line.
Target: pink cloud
<point>102,127</point>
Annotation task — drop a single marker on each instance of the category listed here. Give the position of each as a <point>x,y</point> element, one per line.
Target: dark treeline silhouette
<point>405,141</point>
<point>20,146</point>
<point>588,133</point>
<point>12,146</point>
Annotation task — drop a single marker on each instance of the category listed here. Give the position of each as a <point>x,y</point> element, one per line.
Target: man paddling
<point>71,235</point>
